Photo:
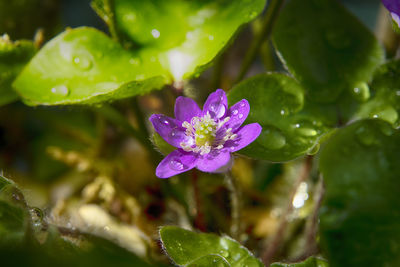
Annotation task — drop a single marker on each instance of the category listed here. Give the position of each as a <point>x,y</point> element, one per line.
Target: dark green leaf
<point>13,215</point>
<point>325,47</point>
<point>184,35</point>
<point>360,217</point>
<point>310,262</point>
<point>13,57</point>
<point>385,100</point>
<point>85,66</point>
<point>185,246</point>
<point>290,129</point>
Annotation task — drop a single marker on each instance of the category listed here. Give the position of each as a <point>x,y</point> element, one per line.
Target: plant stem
<point>199,220</point>
<point>110,19</point>
<point>118,119</point>
<point>235,205</point>
<point>266,28</point>
<point>276,241</point>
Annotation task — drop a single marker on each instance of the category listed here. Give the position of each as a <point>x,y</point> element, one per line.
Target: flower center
<point>202,133</point>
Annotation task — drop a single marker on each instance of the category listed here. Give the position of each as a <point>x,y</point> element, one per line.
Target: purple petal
<point>169,129</point>
<point>214,162</point>
<point>246,135</point>
<point>186,108</point>
<point>176,162</point>
<point>216,104</point>
<point>238,114</point>
<point>394,8</point>
<point>392,5</point>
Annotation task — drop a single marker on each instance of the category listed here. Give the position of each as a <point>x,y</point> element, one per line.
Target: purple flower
<point>394,8</point>
<point>205,139</point>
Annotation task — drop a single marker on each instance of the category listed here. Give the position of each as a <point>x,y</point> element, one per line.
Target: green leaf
<point>360,217</point>
<point>13,57</point>
<point>83,65</point>
<point>289,128</point>
<point>209,260</point>
<point>185,247</point>
<point>13,215</point>
<point>310,262</point>
<point>325,47</point>
<point>184,35</point>
<point>385,90</point>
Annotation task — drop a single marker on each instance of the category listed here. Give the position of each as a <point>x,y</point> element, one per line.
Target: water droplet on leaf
<point>61,90</point>
<point>361,92</point>
<point>224,253</point>
<point>83,62</point>
<point>272,138</point>
<point>387,113</point>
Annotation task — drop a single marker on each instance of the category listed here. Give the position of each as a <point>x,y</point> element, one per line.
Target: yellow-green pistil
<point>202,132</point>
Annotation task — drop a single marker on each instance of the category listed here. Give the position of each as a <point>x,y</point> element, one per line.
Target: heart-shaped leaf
<point>184,35</point>
<point>83,65</point>
<point>289,127</point>
<point>186,248</point>
<point>360,217</point>
<point>325,47</point>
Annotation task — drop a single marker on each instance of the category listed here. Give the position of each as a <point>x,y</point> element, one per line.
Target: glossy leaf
<point>185,247</point>
<point>310,262</point>
<point>360,217</point>
<point>289,128</point>
<point>13,57</point>
<point>325,47</point>
<point>83,65</point>
<point>184,36</point>
<point>209,260</point>
<point>385,90</point>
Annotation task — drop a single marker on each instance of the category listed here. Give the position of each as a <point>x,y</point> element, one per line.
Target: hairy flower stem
<point>199,220</point>
<point>277,239</point>
<point>272,13</point>
<point>235,205</point>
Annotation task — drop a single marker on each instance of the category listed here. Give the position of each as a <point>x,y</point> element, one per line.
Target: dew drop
<point>224,253</point>
<point>218,109</point>
<point>240,116</point>
<point>83,62</point>
<point>60,90</point>
<point>306,131</point>
<point>361,92</point>
<point>176,164</point>
<point>155,33</point>
<point>388,114</point>
<point>272,138</point>
<point>235,112</point>
<point>211,37</point>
